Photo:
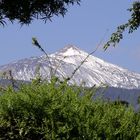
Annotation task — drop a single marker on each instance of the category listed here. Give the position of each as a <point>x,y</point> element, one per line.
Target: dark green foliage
<point>134,22</point>
<point>132,25</point>
<point>26,10</point>
<point>50,111</point>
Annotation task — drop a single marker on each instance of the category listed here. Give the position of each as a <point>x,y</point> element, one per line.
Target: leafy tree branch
<point>132,25</point>
<point>24,11</point>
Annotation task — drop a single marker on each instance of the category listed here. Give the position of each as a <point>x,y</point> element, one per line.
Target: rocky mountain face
<point>93,71</point>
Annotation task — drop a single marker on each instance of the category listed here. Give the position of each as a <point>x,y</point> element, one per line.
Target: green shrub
<point>50,111</point>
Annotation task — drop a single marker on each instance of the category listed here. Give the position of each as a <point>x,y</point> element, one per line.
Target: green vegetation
<point>132,25</point>
<point>25,11</point>
<point>55,111</point>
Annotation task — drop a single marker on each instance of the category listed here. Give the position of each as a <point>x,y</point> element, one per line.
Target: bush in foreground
<point>50,111</point>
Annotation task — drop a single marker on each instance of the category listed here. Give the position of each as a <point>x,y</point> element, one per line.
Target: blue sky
<point>83,26</point>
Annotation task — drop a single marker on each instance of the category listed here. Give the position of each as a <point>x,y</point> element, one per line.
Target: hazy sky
<point>83,26</point>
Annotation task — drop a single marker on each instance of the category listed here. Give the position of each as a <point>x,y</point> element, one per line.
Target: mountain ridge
<point>94,71</point>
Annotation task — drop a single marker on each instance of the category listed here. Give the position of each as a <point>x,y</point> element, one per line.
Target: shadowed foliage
<point>24,11</point>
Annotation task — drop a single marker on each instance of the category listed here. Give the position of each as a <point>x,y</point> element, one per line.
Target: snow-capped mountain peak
<point>70,50</point>
<point>93,71</point>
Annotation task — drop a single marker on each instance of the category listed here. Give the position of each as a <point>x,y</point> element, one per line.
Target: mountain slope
<point>93,72</point>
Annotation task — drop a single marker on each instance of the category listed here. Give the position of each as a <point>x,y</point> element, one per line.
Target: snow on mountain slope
<point>93,72</point>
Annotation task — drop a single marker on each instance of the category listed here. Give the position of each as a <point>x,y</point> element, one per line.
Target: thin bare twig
<point>36,43</point>
<point>82,62</point>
